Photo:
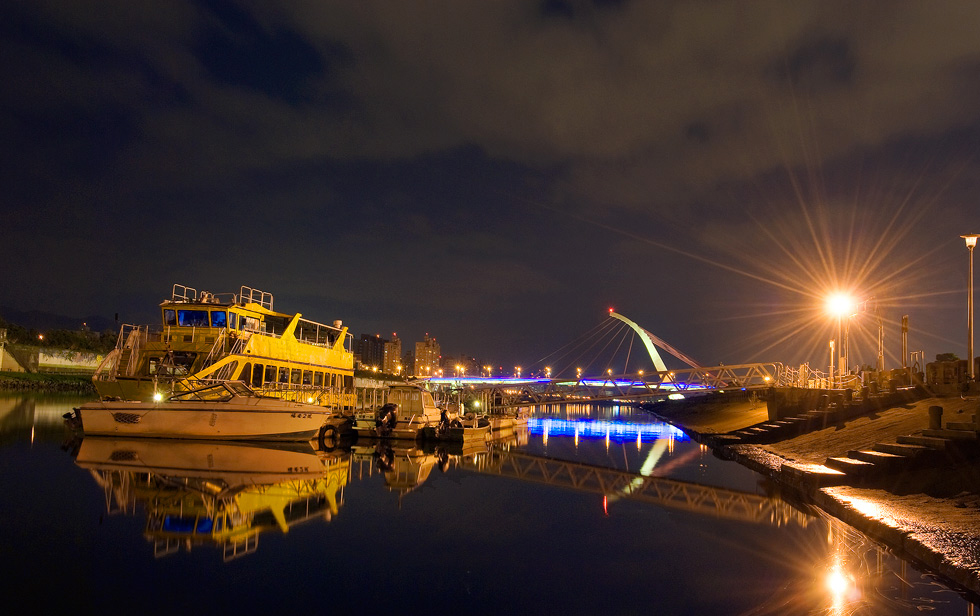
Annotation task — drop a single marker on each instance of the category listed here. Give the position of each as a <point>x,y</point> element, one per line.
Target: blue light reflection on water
<point>464,539</point>
<point>616,431</point>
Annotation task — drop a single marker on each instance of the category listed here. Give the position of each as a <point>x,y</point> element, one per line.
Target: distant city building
<point>461,365</point>
<point>370,350</point>
<point>427,356</point>
<point>393,356</point>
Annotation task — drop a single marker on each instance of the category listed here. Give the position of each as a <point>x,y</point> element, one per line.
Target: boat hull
<point>220,421</point>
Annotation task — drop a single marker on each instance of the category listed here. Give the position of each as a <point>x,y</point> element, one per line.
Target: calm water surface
<point>590,511</point>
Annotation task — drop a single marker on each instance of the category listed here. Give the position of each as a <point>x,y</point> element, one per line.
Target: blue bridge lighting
<point>618,431</point>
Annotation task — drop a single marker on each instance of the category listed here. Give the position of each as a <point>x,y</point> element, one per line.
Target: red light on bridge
<point>610,310</point>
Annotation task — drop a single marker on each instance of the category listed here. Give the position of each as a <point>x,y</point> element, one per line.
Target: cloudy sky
<point>500,173</point>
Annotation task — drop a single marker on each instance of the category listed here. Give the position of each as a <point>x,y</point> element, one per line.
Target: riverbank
<point>41,382</point>
<point>885,472</point>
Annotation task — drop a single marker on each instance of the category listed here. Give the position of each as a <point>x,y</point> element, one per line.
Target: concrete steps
<point>882,460</point>
<point>852,467</point>
<point>950,433</point>
<point>905,450</point>
<point>924,441</point>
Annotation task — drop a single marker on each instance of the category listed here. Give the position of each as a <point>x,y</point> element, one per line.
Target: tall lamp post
<point>839,305</point>
<point>971,242</point>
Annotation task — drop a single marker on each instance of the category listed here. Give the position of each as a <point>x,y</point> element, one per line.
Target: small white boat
<point>222,410</point>
<point>409,411</point>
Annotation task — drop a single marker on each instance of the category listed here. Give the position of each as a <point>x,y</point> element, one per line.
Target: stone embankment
<point>904,467</point>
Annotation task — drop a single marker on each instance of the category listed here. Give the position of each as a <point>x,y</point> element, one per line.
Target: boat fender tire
<point>328,437</point>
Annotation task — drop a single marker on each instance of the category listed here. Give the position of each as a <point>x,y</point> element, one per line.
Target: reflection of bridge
<point>610,483</point>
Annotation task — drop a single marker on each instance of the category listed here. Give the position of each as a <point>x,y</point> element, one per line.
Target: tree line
<point>73,340</point>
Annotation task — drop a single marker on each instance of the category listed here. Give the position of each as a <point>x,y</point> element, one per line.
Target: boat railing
<point>183,293</point>
<point>254,296</point>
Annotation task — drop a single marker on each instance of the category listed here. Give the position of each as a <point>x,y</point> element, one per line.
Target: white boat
<point>224,410</point>
<point>409,410</point>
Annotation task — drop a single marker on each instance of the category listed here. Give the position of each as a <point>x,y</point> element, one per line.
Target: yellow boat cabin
<point>226,336</point>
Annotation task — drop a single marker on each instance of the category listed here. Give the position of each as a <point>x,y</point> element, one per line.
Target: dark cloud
<point>450,163</point>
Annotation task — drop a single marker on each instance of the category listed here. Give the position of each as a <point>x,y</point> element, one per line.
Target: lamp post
<point>971,242</point>
<point>839,305</point>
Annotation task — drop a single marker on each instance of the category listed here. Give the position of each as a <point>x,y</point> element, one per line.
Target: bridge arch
<point>651,343</point>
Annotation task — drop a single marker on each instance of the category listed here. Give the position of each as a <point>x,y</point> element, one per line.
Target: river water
<point>588,511</point>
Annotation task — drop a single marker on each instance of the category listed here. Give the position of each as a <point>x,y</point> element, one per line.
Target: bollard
<point>935,418</point>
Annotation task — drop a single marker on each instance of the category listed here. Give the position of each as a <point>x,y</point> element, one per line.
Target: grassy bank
<point>26,381</point>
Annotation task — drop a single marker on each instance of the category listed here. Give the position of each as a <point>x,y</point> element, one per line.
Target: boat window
<point>307,377</point>
<point>204,525</point>
<point>246,373</point>
<point>283,374</point>
<point>219,318</point>
<point>257,375</point>
<point>154,364</point>
<point>169,317</point>
<point>348,380</point>
<point>176,524</point>
<point>295,377</point>
<point>270,374</point>
<point>250,324</point>
<point>183,362</point>
<point>232,320</point>
<point>192,318</point>
<point>275,325</point>
<point>318,379</point>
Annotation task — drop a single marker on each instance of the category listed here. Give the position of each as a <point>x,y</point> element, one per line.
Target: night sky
<point>499,174</point>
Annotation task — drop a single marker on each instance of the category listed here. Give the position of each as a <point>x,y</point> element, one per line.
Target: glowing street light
<point>547,371</point>
<point>839,305</point>
<point>971,242</point>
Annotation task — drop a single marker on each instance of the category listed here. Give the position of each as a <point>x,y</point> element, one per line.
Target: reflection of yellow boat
<point>222,410</point>
<point>228,336</point>
<point>211,493</point>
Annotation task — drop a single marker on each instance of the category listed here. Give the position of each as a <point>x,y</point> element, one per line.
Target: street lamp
<point>839,305</point>
<point>971,241</point>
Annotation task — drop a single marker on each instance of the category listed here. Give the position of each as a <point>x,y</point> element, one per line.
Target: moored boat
<point>224,410</point>
<point>230,336</point>
<point>409,410</point>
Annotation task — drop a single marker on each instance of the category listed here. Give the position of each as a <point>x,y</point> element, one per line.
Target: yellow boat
<point>208,337</point>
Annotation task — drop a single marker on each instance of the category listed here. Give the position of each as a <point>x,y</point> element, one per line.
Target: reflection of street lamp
<point>971,241</point>
<point>547,371</point>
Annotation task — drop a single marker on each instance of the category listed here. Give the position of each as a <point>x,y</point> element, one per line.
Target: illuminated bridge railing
<point>616,431</point>
<point>505,392</point>
<point>670,493</point>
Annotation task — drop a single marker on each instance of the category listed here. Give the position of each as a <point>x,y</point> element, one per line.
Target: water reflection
<point>220,494</point>
<point>406,465</point>
<point>658,525</point>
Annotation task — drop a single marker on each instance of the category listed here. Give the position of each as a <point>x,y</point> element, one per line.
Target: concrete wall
<point>51,360</point>
<point>8,363</point>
